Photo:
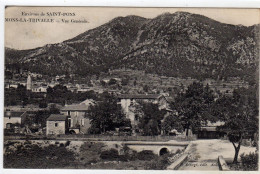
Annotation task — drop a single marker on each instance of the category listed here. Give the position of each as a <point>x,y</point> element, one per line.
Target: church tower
<point>29,82</point>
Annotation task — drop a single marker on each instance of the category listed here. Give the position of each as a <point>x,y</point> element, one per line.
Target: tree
<point>58,94</point>
<point>171,122</point>
<point>54,109</point>
<point>194,106</point>
<point>21,92</point>
<point>241,119</point>
<point>106,115</point>
<point>43,104</point>
<point>150,118</point>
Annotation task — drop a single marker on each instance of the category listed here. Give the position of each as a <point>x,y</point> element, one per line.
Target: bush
<point>35,156</point>
<point>111,154</point>
<point>93,130</point>
<point>146,155</point>
<point>158,163</point>
<point>43,104</point>
<point>249,161</point>
<point>67,143</point>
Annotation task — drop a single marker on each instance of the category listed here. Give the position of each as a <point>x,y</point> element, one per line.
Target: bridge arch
<point>163,151</point>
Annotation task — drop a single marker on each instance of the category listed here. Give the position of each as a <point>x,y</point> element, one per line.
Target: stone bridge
<point>159,148</point>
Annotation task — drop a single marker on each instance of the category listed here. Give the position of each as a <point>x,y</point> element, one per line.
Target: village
<point>142,111</point>
<point>126,85</point>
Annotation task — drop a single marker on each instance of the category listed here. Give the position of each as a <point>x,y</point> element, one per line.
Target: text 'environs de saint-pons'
<point>46,17</point>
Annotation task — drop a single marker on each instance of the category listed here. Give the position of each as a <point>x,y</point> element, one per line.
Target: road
<point>204,154</point>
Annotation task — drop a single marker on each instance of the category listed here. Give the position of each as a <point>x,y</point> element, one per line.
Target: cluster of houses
<point>42,86</point>
<point>73,119</point>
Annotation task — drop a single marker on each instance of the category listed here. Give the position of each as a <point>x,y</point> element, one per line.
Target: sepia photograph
<point>128,88</point>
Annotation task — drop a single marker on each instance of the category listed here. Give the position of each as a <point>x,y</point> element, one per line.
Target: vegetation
<point>159,163</point>
<point>90,155</point>
<point>16,96</point>
<point>51,156</point>
<point>249,161</point>
<point>149,118</point>
<point>60,94</point>
<point>194,106</point>
<point>90,152</point>
<point>111,154</point>
<point>170,123</point>
<point>57,94</point>
<point>240,114</point>
<point>106,116</point>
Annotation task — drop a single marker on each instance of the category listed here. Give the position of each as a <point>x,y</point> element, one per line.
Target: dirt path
<point>204,154</point>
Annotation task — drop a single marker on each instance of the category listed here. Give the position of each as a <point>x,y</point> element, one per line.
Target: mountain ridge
<point>168,44</point>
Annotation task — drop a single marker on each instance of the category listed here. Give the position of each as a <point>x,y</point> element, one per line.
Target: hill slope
<point>179,44</point>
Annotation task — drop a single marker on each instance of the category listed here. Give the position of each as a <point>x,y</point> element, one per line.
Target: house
<point>88,102</point>
<point>14,85</point>
<point>128,100</point>
<point>77,115</point>
<point>52,84</point>
<point>38,89</point>
<point>13,117</point>
<point>209,130</point>
<point>57,124</point>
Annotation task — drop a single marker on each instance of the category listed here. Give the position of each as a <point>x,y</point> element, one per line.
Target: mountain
<point>180,44</point>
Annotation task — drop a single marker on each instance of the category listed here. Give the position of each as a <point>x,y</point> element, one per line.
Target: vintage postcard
<point>131,88</point>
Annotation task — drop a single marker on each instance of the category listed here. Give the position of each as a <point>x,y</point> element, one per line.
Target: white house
<point>13,117</point>
<point>39,89</point>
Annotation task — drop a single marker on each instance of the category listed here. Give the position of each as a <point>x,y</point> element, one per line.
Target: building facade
<point>57,124</point>
<point>77,117</point>
<point>11,118</point>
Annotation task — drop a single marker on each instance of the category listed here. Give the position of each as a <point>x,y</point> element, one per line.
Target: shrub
<point>67,143</point>
<point>158,163</point>
<point>39,157</point>
<point>146,155</point>
<point>249,161</point>
<point>111,154</point>
<point>43,104</point>
<point>93,130</point>
<point>124,158</point>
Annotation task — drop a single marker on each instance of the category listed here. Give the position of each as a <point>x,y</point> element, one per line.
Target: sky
<point>28,35</point>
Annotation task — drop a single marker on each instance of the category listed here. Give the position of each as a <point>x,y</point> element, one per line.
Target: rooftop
<point>139,96</point>
<point>56,117</point>
<point>75,107</point>
<point>211,124</point>
<point>13,114</point>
